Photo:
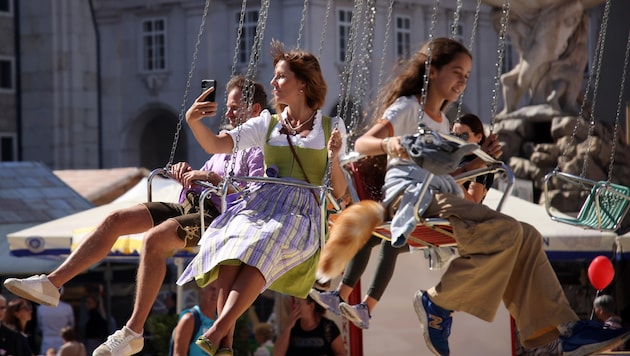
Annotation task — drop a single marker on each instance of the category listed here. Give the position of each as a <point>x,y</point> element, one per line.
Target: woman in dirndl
<point>271,238</point>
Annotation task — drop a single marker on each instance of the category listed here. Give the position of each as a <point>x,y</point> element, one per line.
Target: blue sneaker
<point>435,321</point>
<point>588,337</point>
<point>328,300</point>
<point>358,314</point>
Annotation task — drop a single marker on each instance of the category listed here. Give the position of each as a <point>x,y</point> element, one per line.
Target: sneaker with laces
<point>123,342</point>
<point>35,288</point>
<point>435,321</point>
<point>358,314</point>
<point>328,300</point>
<point>589,337</point>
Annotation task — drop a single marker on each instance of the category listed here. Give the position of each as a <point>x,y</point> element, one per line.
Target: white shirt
<point>253,133</point>
<point>404,114</point>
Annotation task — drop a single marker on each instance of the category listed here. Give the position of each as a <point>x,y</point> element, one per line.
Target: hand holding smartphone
<point>205,85</point>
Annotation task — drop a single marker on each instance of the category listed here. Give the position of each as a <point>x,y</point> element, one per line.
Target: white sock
<point>133,332</point>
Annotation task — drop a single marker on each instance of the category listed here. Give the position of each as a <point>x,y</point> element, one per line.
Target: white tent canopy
<point>56,238</point>
<point>561,241</point>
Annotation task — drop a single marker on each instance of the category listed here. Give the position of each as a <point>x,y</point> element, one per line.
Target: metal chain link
<point>599,59</point>
<point>622,86</point>
<point>347,73</point>
<point>365,60</point>
<point>322,39</point>
<point>456,14</point>
<point>302,21</point>
<point>388,25</point>
<point>572,139</point>
<point>471,46</point>
<point>505,15</point>
<point>239,36</point>
<point>247,98</point>
<point>182,111</point>
<point>427,65</point>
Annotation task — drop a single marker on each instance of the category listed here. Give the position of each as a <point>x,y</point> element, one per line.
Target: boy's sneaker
<point>435,321</point>
<point>35,288</point>
<point>358,314</point>
<point>588,337</point>
<point>123,342</point>
<point>328,300</point>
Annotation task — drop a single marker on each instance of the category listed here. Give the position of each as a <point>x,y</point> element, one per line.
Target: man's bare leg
<point>94,248</point>
<point>158,244</point>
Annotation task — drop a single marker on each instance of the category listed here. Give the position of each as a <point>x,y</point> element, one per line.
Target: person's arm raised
<point>209,141</point>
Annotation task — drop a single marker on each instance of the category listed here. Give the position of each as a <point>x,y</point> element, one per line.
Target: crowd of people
<point>269,238</point>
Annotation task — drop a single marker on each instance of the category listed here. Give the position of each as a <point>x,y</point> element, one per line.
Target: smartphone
<point>208,83</point>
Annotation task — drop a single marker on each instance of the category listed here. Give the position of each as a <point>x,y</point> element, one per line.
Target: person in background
<point>167,227</point>
<point>263,332</point>
<point>51,320</point>
<point>71,346</point>
<point>96,327</point>
<point>171,303</point>
<point>19,313</point>
<point>604,310</point>
<point>470,128</point>
<point>12,342</point>
<point>271,238</point>
<point>309,333</point>
<point>201,316</point>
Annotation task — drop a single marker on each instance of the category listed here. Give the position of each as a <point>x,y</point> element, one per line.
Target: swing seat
<point>366,176</point>
<point>603,209</point>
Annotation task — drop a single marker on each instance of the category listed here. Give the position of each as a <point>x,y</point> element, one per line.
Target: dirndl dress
<point>276,229</point>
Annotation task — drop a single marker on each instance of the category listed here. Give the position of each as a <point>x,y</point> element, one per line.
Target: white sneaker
<point>328,300</point>
<point>35,288</point>
<point>123,342</point>
<point>358,314</point>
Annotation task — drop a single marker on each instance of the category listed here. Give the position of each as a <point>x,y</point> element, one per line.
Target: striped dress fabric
<point>276,228</point>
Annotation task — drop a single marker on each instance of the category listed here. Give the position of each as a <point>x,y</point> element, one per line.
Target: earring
<point>301,91</point>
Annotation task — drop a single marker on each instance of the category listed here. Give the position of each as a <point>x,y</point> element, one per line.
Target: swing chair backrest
<point>605,207</point>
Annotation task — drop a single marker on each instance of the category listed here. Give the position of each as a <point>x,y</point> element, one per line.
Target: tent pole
<point>179,262</point>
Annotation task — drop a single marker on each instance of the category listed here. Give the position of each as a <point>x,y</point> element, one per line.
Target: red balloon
<point>601,272</point>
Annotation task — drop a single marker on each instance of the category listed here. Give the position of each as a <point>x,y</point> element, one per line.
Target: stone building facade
<point>103,81</point>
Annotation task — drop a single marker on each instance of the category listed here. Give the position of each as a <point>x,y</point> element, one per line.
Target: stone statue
<point>550,37</point>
